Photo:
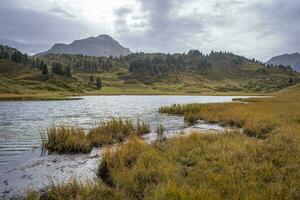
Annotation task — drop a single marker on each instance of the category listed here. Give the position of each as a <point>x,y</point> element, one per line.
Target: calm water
<point>21,122</point>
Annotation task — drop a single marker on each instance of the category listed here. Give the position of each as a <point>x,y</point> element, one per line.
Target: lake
<point>22,121</point>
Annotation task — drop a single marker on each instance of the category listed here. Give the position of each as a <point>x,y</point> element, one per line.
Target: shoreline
<point>58,97</point>
<point>37,172</point>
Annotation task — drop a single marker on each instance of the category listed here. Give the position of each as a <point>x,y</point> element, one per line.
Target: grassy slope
<point>21,82</point>
<point>206,166</point>
<point>224,78</point>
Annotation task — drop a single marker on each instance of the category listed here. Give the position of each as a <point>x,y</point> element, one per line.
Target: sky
<point>254,28</point>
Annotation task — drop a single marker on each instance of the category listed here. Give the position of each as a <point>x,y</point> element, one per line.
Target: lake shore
<point>78,96</point>
<point>38,172</point>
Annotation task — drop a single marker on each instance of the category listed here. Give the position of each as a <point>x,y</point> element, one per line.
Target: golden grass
<point>115,131</point>
<point>211,166</point>
<point>74,190</point>
<point>217,166</point>
<point>68,139</point>
<point>257,118</point>
<point>225,166</point>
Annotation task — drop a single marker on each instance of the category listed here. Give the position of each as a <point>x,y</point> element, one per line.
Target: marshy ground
<point>260,163</point>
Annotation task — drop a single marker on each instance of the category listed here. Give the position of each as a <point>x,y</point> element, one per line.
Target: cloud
<point>253,28</point>
<point>280,19</point>
<point>162,29</point>
<point>60,10</point>
<point>123,12</point>
<point>33,27</point>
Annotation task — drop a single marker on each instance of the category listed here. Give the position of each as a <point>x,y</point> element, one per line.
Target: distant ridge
<point>102,45</point>
<point>287,59</point>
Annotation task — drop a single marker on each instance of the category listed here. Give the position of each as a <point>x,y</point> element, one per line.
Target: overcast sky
<point>253,28</point>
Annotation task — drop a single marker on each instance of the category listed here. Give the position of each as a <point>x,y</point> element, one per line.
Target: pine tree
<point>45,72</point>
<point>91,78</point>
<point>98,83</point>
<point>67,71</point>
<point>57,69</point>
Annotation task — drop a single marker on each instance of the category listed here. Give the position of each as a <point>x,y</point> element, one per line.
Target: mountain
<point>102,45</point>
<point>287,59</point>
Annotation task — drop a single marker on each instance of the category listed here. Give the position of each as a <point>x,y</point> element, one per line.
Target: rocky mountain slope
<point>102,45</point>
<point>287,59</point>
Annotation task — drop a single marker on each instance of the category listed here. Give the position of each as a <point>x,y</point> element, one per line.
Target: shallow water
<point>22,121</point>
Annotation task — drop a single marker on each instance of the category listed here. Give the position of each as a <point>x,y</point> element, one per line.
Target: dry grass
<point>115,131</point>
<point>258,118</point>
<point>227,166</point>
<point>74,190</point>
<point>210,166</point>
<point>67,139</point>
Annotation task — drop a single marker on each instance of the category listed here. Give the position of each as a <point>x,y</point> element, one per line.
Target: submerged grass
<point>206,166</point>
<point>68,139</point>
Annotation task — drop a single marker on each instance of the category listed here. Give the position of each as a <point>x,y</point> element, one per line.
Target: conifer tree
<point>98,83</point>
<point>45,72</point>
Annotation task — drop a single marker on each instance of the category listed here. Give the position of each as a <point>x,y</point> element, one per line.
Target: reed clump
<point>70,139</point>
<point>180,109</point>
<point>66,139</point>
<point>115,131</point>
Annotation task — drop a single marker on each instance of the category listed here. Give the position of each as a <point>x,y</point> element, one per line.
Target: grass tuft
<point>115,131</point>
<point>68,139</point>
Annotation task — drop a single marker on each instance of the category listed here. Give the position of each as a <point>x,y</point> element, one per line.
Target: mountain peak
<point>104,36</point>
<point>102,45</point>
<point>287,59</point>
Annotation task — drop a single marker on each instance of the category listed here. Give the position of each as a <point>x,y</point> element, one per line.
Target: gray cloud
<point>252,28</point>
<point>281,18</point>
<point>123,12</point>
<point>36,29</point>
<point>60,10</point>
<point>120,23</point>
<point>166,31</point>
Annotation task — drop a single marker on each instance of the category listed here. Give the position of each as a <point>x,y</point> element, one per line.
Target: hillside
<point>102,45</point>
<point>179,73</point>
<point>23,75</point>
<point>139,73</point>
<point>292,60</point>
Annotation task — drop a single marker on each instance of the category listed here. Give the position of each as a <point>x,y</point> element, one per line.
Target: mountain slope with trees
<point>140,73</point>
